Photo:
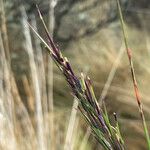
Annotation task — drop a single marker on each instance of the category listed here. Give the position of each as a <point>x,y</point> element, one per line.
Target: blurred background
<point>37,110</point>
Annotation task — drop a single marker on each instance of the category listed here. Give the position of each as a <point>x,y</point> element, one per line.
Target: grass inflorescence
<point>107,135</point>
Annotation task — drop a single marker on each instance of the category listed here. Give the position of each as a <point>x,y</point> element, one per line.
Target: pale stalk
<point>35,82</point>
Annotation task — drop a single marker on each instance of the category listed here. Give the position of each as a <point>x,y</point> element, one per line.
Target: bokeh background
<point>37,110</point>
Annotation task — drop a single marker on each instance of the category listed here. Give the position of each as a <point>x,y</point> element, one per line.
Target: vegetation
<point>32,121</point>
<point>107,135</point>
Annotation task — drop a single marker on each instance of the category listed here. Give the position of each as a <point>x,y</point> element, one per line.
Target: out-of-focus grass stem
<point>35,82</point>
<point>51,25</point>
<point>68,140</point>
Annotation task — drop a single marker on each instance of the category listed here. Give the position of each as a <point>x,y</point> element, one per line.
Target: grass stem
<point>136,90</point>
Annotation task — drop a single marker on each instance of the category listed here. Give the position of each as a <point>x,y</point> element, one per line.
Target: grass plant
<point>107,135</point>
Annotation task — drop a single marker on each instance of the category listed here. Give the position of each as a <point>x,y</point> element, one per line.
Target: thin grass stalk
<point>111,76</point>
<point>72,122</point>
<point>136,90</point>
<point>75,134</point>
<point>35,82</point>
<point>41,68</point>
<point>42,82</point>
<point>2,92</point>
<point>51,24</point>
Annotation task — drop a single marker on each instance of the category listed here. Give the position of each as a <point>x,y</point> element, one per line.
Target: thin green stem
<point>137,95</point>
